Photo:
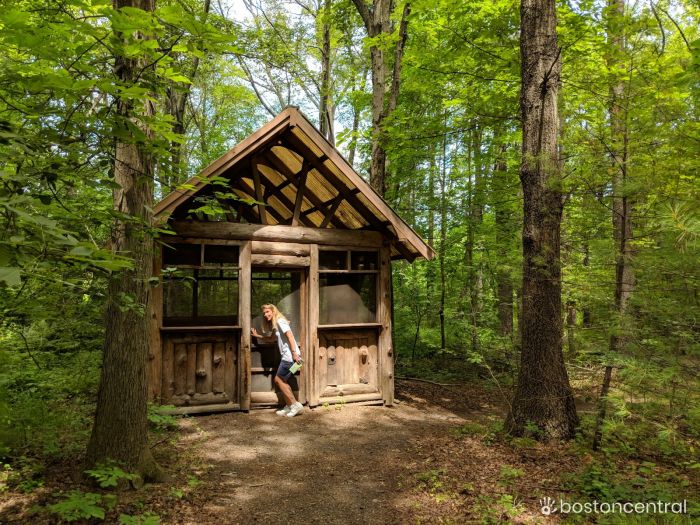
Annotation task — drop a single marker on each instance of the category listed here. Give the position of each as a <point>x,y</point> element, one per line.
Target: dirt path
<point>429,459</point>
<point>336,464</point>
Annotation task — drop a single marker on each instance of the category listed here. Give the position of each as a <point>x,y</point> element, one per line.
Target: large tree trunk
<point>621,206</point>
<point>385,91</point>
<point>543,396</point>
<point>325,110</point>
<point>121,426</point>
<point>176,103</point>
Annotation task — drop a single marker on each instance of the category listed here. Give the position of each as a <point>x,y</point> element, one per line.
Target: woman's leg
<point>286,390</point>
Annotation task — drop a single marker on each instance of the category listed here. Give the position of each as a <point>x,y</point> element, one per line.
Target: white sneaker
<point>296,408</point>
<point>284,411</point>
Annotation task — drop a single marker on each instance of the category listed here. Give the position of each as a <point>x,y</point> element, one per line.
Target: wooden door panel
<point>347,362</point>
<point>199,369</point>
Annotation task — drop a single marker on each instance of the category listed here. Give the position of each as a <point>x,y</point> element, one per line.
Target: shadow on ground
<point>334,464</point>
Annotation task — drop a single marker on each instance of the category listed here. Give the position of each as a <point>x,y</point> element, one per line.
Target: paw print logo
<point>547,506</point>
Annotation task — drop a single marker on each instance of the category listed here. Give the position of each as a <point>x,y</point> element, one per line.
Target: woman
<point>290,352</point>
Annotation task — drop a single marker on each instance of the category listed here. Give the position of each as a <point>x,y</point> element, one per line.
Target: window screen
<point>347,298</point>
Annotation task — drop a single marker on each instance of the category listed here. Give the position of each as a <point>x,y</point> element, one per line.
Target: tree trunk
<point>377,21</point>
<point>504,235</point>
<point>356,114</point>
<point>176,103</point>
<point>430,270</point>
<point>621,205</point>
<point>476,213</point>
<point>121,426</point>
<point>325,111</point>
<point>443,240</point>
<point>571,328</point>
<point>543,397</point>
<point>586,322</point>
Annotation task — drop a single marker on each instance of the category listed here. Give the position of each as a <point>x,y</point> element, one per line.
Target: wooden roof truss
<point>287,173</point>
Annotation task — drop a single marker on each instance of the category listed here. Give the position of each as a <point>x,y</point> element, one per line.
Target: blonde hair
<point>276,316</point>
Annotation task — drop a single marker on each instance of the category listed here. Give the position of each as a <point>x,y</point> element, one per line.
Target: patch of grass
<point>470,429</point>
<point>148,518</point>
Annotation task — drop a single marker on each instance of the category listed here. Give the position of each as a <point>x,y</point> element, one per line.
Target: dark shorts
<point>283,371</point>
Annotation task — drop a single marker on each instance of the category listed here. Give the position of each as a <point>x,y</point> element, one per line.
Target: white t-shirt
<point>282,341</point>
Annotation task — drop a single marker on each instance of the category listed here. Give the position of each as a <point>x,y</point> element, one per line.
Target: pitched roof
<point>272,165</point>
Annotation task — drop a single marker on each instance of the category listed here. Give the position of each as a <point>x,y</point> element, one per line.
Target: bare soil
<point>349,464</point>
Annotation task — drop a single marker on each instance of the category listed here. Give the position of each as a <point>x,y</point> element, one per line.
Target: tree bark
<point>475,212</point>
<point>430,270</point>
<point>377,20</point>
<point>571,328</point>
<point>621,205</point>
<point>586,322</point>
<point>504,236</point>
<point>176,104</point>
<point>443,241</point>
<point>325,110</point>
<point>543,398</point>
<point>121,426</point>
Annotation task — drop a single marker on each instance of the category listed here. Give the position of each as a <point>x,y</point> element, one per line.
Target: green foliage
<point>470,429</point>
<point>453,150</point>
<point>47,410</point>
<point>176,493</point>
<point>79,506</point>
<point>109,475</point>
<point>148,518</point>
<point>160,419</point>
<point>508,476</point>
<point>431,480</point>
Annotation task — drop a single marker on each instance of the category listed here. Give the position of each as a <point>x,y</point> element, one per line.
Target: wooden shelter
<point>281,218</point>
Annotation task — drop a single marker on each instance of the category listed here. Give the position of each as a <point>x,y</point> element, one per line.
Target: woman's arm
<point>293,346</point>
<point>262,339</point>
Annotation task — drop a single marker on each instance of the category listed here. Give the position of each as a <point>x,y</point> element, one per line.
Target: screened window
<point>347,287</point>
<point>200,285</point>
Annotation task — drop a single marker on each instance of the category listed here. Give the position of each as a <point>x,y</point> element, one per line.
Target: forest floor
<point>431,458</point>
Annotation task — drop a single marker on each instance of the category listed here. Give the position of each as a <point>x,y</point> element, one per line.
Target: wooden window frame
<point>349,271</point>
<point>220,267</point>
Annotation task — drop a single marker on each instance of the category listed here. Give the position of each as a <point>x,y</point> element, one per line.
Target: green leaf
<point>10,275</point>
